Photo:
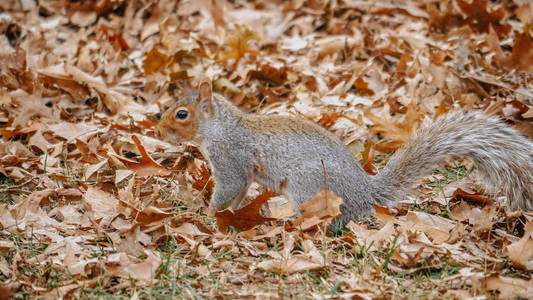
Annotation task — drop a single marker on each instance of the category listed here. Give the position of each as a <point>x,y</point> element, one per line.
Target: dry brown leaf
<point>151,214</point>
<point>361,87</point>
<point>271,74</point>
<point>246,217</point>
<point>396,132</point>
<point>521,57</point>
<point>480,17</point>
<point>5,291</point>
<point>521,252</point>
<point>483,219</point>
<point>102,204</point>
<point>508,287</point>
<point>383,213</point>
<point>154,61</point>
<point>461,212</point>
<point>328,119</point>
<point>461,194</point>
<point>147,166</point>
<point>238,43</point>
<point>323,206</point>
<point>368,158</point>
<point>203,181</point>
<point>119,264</point>
<point>371,238</point>
<point>292,265</point>
<point>438,228</point>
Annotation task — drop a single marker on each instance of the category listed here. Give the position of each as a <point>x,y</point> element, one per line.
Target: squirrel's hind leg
<point>230,190</point>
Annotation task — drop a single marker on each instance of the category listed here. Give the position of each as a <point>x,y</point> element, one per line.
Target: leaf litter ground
<point>92,205</point>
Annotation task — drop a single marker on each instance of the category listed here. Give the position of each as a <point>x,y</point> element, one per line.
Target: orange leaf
<point>9,133</point>
<point>459,193</point>
<point>151,214</point>
<point>329,118</point>
<point>383,213</point>
<point>154,61</point>
<point>237,41</point>
<point>203,181</point>
<point>479,18</point>
<point>271,74</point>
<point>368,158</point>
<point>245,218</point>
<point>147,166</point>
<point>361,87</point>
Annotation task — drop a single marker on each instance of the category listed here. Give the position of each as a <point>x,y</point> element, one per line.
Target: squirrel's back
<point>289,155</point>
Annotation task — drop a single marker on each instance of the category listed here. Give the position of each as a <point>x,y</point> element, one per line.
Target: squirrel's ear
<point>204,91</point>
<point>205,96</point>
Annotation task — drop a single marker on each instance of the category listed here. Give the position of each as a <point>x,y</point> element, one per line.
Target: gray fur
<point>284,154</point>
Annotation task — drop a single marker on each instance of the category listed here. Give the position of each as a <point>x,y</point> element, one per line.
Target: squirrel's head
<point>180,122</point>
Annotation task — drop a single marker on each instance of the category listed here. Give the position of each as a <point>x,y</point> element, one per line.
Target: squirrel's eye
<point>182,114</point>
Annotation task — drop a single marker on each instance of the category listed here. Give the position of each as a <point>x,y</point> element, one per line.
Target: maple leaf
<point>245,218</point>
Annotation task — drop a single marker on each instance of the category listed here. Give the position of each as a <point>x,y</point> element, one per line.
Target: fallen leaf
<point>368,158</point>
<point>483,219</point>
<point>147,166</point>
<point>246,217</point>
<point>238,43</point>
<point>508,287</point>
<point>438,228</point>
<point>151,214</point>
<point>102,204</point>
<point>480,18</point>
<point>461,212</point>
<point>396,132</point>
<point>119,264</point>
<point>323,206</point>
<point>521,252</point>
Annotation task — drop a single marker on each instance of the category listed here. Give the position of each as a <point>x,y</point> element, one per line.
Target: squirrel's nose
<point>158,116</point>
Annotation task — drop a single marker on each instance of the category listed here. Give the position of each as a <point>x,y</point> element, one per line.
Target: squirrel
<point>285,155</point>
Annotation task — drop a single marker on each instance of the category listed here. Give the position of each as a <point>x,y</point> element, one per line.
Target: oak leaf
<point>147,166</point>
<point>246,217</point>
<point>521,252</point>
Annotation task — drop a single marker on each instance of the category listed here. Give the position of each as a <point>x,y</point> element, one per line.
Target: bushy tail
<point>501,156</point>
